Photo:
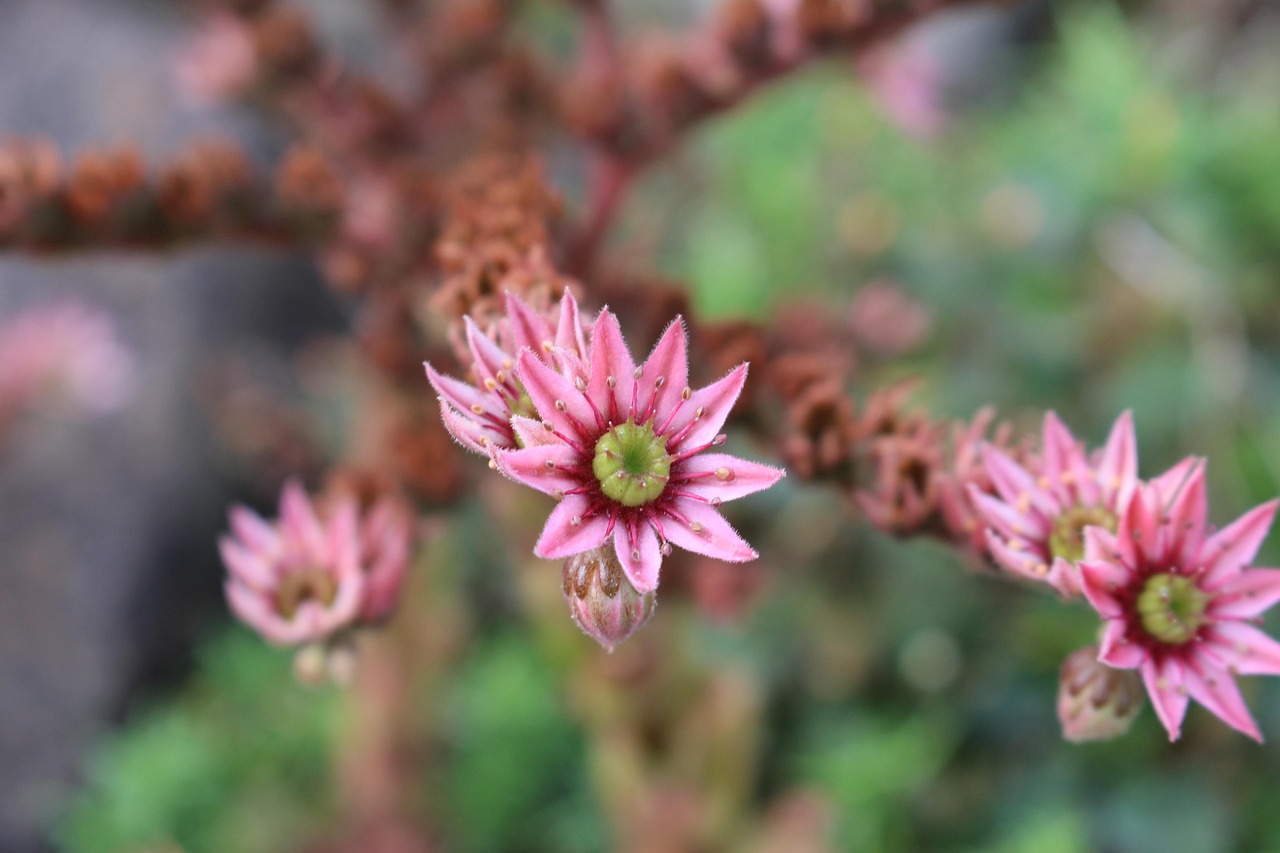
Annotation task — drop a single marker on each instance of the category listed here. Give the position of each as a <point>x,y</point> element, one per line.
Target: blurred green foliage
<point>1109,239</point>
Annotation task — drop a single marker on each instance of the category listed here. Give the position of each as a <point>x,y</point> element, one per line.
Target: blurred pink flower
<point>885,320</point>
<point>480,416</point>
<point>1096,701</point>
<point>1040,513</point>
<point>218,62</point>
<point>905,81</point>
<point>64,353</point>
<point>308,577</point>
<point>1180,601</point>
<point>623,449</point>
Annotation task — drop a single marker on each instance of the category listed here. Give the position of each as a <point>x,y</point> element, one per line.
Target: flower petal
<point>1247,595</point>
<point>488,359</point>
<point>640,555</point>
<point>665,374</point>
<point>702,530</point>
<point>299,521</point>
<point>555,398</point>
<point>1164,686</point>
<point>1244,649</point>
<point>1065,463</point>
<point>254,610</point>
<point>532,433</point>
<point>465,431</point>
<point>1006,519</point>
<point>1020,561</point>
<point>251,529</point>
<point>569,530</point>
<point>1099,581</point>
<point>528,329</point>
<point>569,335</point>
<point>543,466</point>
<point>1118,467</point>
<point>718,475</point>
<point>610,362</point>
<point>245,566</point>
<point>1116,651</point>
<point>1015,484</point>
<point>1228,552</point>
<point>698,420</point>
<point>460,395</point>
<point>1216,690</point>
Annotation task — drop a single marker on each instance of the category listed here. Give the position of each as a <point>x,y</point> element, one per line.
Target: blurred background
<point>1071,206</point>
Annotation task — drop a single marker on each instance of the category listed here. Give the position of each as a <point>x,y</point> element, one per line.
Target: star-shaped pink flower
<point>625,451</point>
<point>1180,601</point>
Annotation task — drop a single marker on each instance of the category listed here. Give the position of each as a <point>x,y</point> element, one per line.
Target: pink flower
<point>1039,513</point>
<point>385,540</point>
<point>217,63</point>
<point>601,600</point>
<point>479,416</point>
<point>623,449</point>
<point>1180,600</point>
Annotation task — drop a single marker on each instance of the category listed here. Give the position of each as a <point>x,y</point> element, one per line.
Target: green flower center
<point>1067,538</point>
<point>632,464</point>
<point>1172,608</point>
<point>302,586</point>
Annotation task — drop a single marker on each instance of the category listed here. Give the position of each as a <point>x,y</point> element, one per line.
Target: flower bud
<point>602,601</point>
<point>1096,701</point>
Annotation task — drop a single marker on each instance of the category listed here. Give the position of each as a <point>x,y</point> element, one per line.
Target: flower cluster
<point>312,577</point>
<point>1177,599</point>
<point>623,447</point>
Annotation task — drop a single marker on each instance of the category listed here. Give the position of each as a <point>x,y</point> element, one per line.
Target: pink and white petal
<point>610,361</point>
<point>1118,467</point>
<point>1228,552</point>
<point>253,531</point>
<point>702,530</point>
<point>532,433</point>
<point>1164,686</point>
<point>1099,582</point>
<point>343,539</point>
<point>1008,520</point>
<point>1060,452</point>
<point>1064,576</point>
<point>719,475</point>
<point>555,398</point>
<point>299,521</point>
<point>1019,561</point>
<point>698,420</point>
<point>570,530</point>
<point>488,359</point>
<point>569,336</point>
<point>640,555</point>
<point>1243,648</point>
<point>1014,483</point>
<point>528,329</point>
<point>1215,689</point>
<point>1116,651</point>
<point>543,467</point>
<point>1187,518</point>
<point>669,362</point>
<point>346,605</point>
<point>467,432</point>
<point>1247,595</point>
<point>256,611</point>
<point>460,395</point>
<point>246,566</point>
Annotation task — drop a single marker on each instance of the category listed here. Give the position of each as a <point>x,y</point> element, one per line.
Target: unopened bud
<point>1096,701</point>
<point>602,601</point>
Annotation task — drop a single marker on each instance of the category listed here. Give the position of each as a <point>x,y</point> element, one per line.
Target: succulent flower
<point>602,601</point>
<point>479,416</point>
<point>1040,512</point>
<point>308,577</point>
<point>624,449</point>
<point>1096,701</point>
<point>1180,601</point>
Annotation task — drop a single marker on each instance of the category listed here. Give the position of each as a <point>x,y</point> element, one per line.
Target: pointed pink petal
<point>570,531</point>
<point>1164,686</point>
<point>718,475</point>
<point>246,566</point>
<point>252,530</point>
<point>555,398</point>
<point>1101,546</point>
<point>1216,690</point>
<point>1019,561</point>
<point>1064,576</point>
<point>343,538</point>
<point>666,373</point>
<point>1015,484</point>
<point>704,531</point>
<point>641,556</point>
<point>1244,649</point>
<point>1059,450</point>
<point>1007,519</point>
<point>569,334</point>
<point>1227,553</point>
<point>1186,522</point>
<point>465,431</point>
<point>1116,651</point>
<point>529,330</point>
<point>532,433</point>
<point>298,519</point>
<point>1139,530</point>
<point>1100,581</point>
<point>460,395</point>
<point>705,412</point>
<point>544,467</point>
<point>253,609</point>
<point>1118,467</point>
<point>610,360</point>
<point>488,358</point>
<point>1247,595</point>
